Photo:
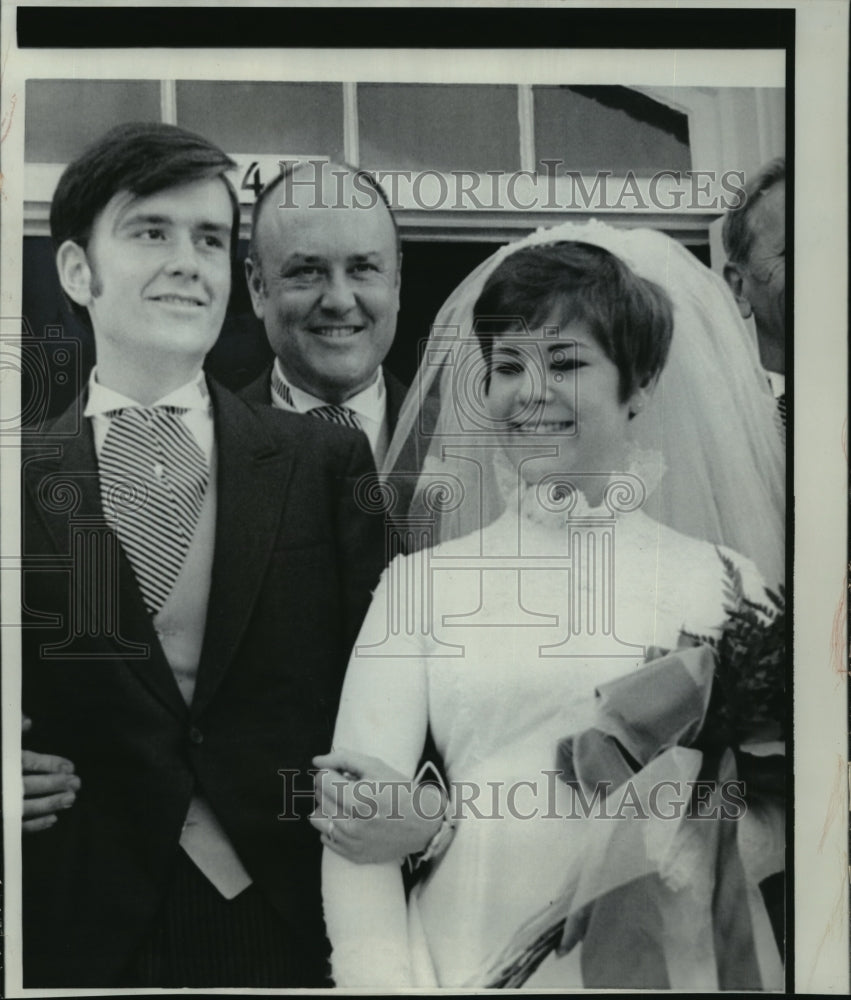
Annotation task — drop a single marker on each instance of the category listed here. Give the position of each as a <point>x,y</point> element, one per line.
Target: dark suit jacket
<point>295,561</point>
<point>259,391</point>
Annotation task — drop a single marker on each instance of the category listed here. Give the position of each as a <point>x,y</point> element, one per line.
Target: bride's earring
<point>635,407</point>
<point>638,400</point>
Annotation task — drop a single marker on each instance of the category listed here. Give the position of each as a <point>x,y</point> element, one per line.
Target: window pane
<point>276,118</point>
<point>609,128</point>
<point>438,127</point>
<point>66,116</point>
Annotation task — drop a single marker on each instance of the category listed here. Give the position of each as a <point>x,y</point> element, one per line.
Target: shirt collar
<point>368,403</point>
<point>777,383</point>
<point>193,395</point>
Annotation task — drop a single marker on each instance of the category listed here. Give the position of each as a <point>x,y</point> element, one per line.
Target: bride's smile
<point>557,384</point>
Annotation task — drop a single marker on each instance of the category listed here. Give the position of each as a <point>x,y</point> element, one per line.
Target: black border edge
<point>421,27</point>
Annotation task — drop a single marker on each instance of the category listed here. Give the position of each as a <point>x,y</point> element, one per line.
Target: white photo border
<point>820,486</point>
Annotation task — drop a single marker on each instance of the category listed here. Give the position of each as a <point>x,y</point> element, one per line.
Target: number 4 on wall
<point>255,185</point>
<point>255,170</point>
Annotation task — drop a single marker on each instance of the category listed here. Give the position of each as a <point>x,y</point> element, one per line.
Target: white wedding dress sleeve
<point>384,713</point>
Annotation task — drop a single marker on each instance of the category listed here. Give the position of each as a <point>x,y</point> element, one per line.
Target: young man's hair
<point>630,317</point>
<point>327,195</point>
<point>142,158</point>
<point>737,233</point>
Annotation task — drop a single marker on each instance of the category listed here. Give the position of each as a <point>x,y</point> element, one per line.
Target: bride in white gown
<point>578,490</point>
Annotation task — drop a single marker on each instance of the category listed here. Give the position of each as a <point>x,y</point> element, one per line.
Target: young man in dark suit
<point>195,571</point>
<point>323,271</point>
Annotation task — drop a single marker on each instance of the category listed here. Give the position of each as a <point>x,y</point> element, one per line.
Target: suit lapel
<point>253,476</point>
<point>61,464</point>
<point>64,459</point>
<point>260,390</point>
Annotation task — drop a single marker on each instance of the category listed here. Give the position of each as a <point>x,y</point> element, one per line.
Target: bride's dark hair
<point>630,317</point>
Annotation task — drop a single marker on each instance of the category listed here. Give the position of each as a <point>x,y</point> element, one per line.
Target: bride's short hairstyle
<point>630,317</point>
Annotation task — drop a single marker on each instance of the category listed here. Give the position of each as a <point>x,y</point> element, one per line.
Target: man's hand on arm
<point>370,813</point>
<point>50,786</point>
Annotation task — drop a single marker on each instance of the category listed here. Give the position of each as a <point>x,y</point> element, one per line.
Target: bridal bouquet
<point>710,712</point>
<point>749,696</point>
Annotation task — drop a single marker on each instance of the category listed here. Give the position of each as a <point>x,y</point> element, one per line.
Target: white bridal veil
<point>711,420</point>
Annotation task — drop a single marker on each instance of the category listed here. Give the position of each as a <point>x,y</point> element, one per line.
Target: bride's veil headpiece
<point>712,415</point>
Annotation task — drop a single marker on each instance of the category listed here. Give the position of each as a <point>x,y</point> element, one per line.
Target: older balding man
<point>324,276</point>
<point>754,237</point>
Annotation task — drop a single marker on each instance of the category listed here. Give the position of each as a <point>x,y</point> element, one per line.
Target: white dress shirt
<point>777,383</point>
<point>194,396</point>
<point>370,405</point>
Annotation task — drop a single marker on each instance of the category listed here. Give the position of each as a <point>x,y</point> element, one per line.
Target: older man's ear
<point>254,278</point>
<point>736,280</point>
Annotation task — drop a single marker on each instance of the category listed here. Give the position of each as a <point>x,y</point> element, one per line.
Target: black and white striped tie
<point>338,415</point>
<point>153,478</point>
<point>344,415</point>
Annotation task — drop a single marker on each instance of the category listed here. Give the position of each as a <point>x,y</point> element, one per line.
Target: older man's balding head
<point>323,273</point>
<point>754,237</point>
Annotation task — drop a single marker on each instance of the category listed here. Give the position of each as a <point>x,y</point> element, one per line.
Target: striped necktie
<point>338,415</point>
<point>344,415</point>
<point>153,478</point>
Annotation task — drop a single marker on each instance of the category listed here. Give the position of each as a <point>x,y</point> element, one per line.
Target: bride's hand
<point>370,813</point>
